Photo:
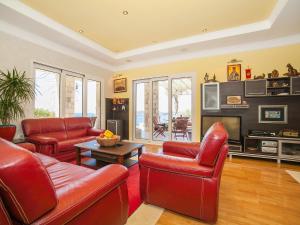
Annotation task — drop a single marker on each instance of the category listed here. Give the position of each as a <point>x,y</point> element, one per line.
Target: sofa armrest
<point>174,164</point>
<point>94,132</point>
<point>182,148</point>
<point>80,195</point>
<point>42,140</point>
<point>28,146</point>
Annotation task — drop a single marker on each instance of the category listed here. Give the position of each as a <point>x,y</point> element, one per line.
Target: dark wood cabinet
<point>295,83</point>
<point>255,88</point>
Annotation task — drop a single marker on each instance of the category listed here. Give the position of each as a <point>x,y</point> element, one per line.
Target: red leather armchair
<point>37,189</point>
<point>186,177</point>
<point>56,137</point>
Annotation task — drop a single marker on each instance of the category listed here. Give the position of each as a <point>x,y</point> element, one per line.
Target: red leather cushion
<point>211,144</point>
<point>77,133</point>
<point>77,126</point>
<point>28,146</point>
<point>68,145</point>
<point>41,126</point>
<point>63,174</point>
<point>25,185</point>
<point>60,135</point>
<point>46,160</point>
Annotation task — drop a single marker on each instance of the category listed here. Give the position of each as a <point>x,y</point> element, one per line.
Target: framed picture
<point>273,114</point>
<point>234,72</point>
<point>120,85</point>
<point>234,100</point>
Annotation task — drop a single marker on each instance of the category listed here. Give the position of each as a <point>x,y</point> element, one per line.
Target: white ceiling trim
<point>35,39</point>
<point>249,28</point>
<point>114,60</point>
<point>38,17</point>
<point>289,40</point>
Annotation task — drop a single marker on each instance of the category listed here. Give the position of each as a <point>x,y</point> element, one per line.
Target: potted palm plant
<point>15,90</point>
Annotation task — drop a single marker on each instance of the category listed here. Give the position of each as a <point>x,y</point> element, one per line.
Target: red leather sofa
<point>38,189</point>
<point>56,137</point>
<point>186,177</point>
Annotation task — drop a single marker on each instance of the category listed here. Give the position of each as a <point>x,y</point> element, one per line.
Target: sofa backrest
<point>59,128</point>
<point>53,127</point>
<point>25,186</point>
<point>77,126</point>
<point>211,145</point>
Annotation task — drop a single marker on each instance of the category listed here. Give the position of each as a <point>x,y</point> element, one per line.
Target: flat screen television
<point>231,123</point>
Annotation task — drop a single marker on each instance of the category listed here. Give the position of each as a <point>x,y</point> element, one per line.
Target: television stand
<point>235,147</point>
<point>270,147</point>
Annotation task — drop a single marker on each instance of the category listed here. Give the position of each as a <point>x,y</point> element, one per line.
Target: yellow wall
<point>261,61</point>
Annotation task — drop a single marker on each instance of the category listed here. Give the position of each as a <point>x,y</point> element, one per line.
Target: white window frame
<point>169,78</point>
<point>62,76</point>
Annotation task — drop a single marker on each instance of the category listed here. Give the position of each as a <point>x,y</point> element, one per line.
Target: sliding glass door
<point>160,110</point>
<point>163,109</point>
<point>142,110</point>
<point>182,109</point>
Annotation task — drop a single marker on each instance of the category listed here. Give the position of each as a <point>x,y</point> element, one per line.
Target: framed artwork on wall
<point>273,114</point>
<point>234,72</point>
<point>120,85</point>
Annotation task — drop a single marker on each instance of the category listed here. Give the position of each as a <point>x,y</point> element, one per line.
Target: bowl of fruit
<point>108,139</point>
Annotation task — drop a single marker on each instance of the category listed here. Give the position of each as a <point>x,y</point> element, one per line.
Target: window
<point>47,93</point>
<point>61,93</point>
<point>72,96</point>
<point>93,99</point>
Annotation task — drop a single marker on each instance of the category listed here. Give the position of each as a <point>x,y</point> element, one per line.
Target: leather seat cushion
<point>63,174</point>
<point>46,160</point>
<point>68,145</point>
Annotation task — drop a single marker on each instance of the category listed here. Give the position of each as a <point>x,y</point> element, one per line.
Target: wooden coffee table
<point>121,153</point>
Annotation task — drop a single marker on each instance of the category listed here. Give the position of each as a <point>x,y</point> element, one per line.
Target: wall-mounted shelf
<point>286,87</point>
<point>226,106</point>
<point>278,86</point>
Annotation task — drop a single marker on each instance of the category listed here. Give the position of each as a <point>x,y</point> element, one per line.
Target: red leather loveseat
<point>56,136</point>
<point>38,189</point>
<point>186,177</point>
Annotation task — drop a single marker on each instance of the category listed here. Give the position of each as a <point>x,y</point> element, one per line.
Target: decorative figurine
<point>275,84</point>
<point>207,80</point>
<point>248,73</point>
<point>274,74</point>
<point>291,71</point>
<point>260,77</point>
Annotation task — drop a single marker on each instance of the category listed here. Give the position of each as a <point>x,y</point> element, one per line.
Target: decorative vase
<point>7,132</point>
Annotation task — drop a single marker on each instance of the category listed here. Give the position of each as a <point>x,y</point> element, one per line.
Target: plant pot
<point>7,132</point>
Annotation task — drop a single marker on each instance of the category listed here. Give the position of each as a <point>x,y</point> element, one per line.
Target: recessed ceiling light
<point>125,12</point>
<point>81,31</point>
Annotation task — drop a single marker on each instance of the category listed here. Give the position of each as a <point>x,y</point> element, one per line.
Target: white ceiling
<point>281,28</point>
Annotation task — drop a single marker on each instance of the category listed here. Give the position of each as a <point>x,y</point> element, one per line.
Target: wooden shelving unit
<point>226,106</point>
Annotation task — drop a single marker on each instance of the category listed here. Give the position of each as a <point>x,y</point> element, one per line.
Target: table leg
<point>120,160</point>
<point>78,156</point>
<point>140,151</point>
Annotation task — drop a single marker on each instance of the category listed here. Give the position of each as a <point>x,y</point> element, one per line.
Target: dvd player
<point>262,133</point>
